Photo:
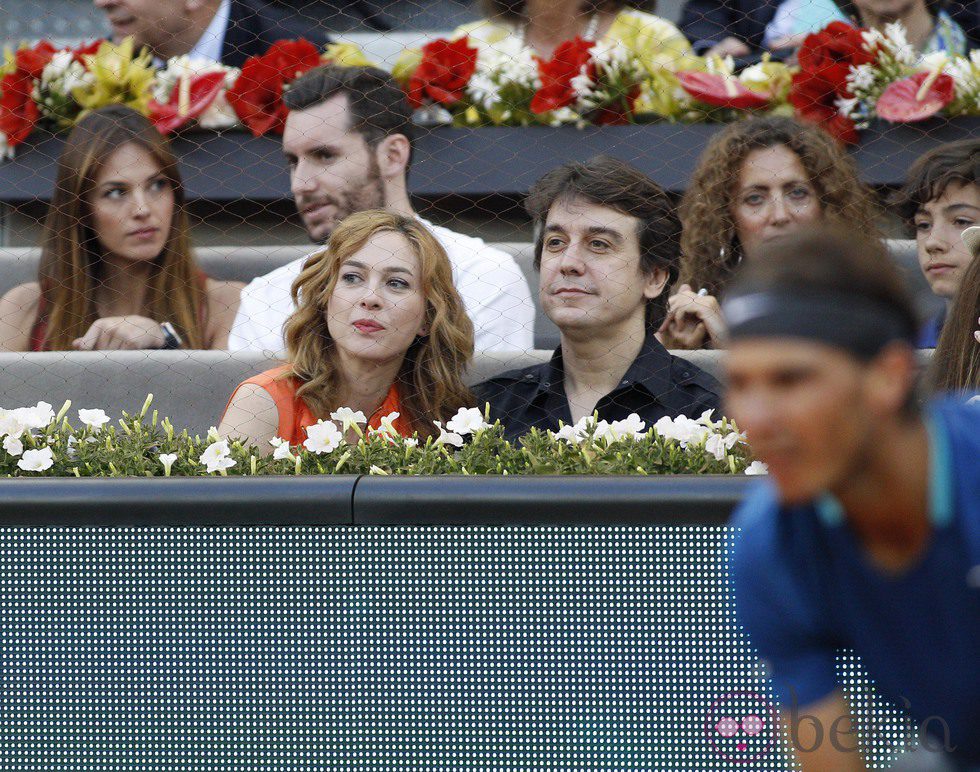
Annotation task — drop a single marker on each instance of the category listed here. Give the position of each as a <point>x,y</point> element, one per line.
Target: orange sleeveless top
<point>295,415</point>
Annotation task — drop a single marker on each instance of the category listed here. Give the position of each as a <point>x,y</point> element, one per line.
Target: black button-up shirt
<point>657,384</point>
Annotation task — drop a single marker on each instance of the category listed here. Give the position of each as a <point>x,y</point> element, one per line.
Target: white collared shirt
<point>213,39</point>
<point>494,291</point>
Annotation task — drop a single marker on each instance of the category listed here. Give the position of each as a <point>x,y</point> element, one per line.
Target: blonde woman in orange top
<point>379,328</point>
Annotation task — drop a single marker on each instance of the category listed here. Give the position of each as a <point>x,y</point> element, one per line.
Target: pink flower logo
<point>741,727</point>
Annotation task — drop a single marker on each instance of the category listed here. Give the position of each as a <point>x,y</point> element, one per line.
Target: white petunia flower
<point>217,456</point>
<point>213,434</point>
<point>323,437</point>
<point>36,460</point>
<point>36,417</point>
<point>757,467</point>
<point>167,459</point>
<point>569,434</point>
<point>684,430</point>
<point>388,425</point>
<point>348,417</point>
<point>10,424</point>
<point>447,438</point>
<point>715,445</point>
<point>631,426</point>
<point>467,421</point>
<point>13,445</point>
<point>93,419</point>
<point>282,450</point>
<point>411,442</point>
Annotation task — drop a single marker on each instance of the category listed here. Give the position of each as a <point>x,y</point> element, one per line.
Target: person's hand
<point>121,332</point>
<point>729,46</point>
<point>693,320</point>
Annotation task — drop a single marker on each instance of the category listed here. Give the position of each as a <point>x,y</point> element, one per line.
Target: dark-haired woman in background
<point>955,363</point>
<point>117,271</point>
<point>756,180</point>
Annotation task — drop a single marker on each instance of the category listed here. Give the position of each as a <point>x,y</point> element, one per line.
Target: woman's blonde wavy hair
<point>709,245</point>
<point>71,254</point>
<point>430,380</point>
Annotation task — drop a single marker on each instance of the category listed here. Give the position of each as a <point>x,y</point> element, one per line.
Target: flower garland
<point>43,85</point>
<point>36,441</point>
<point>845,77</point>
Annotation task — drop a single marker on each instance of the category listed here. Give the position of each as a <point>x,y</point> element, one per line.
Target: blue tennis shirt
<point>804,588</point>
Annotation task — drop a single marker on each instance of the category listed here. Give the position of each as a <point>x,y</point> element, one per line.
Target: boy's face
<point>939,225</point>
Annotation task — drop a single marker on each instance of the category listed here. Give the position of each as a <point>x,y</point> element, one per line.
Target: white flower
<point>467,421</point>
<point>705,419</point>
<point>569,434</point>
<point>213,434</point>
<point>282,450</point>
<point>411,442</point>
<point>348,417</point>
<point>684,430</point>
<point>715,445</point>
<point>388,425</point>
<point>447,438</point>
<point>10,423</point>
<point>757,467</point>
<point>631,426</point>
<point>323,437</point>
<point>217,456</point>
<point>36,460</point>
<point>167,459</point>
<point>861,77</point>
<point>13,445</point>
<point>93,419</point>
<point>36,417</point>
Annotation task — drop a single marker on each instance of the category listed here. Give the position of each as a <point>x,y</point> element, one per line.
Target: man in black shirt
<point>607,251</point>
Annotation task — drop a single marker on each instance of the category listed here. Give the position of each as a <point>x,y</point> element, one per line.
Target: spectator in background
<point>927,23</point>
<point>544,24</point>
<point>348,142</point>
<point>940,199</point>
<point>955,364</point>
<point>227,31</point>
<point>379,328</point>
<point>606,250</point>
<point>117,271</point>
<point>756,180</point>
<point>867,537</point>
<point>727,27</point>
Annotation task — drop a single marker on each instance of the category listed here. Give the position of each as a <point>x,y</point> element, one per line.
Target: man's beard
<point>357,196</point>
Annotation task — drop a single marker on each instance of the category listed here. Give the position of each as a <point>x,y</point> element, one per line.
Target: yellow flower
<point>346,55</point>
<point>118,78</point>
<point>407,62</point>
<point>768,77</point>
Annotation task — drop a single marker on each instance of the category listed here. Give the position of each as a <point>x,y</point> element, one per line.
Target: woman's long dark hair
<point>955,363</point>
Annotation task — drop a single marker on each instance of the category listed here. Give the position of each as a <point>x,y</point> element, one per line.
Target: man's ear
<point>654,282</point>
<point>891,377</point>
<point>392,155</point>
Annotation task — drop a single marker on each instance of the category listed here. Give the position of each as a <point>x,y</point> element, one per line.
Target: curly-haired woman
<point>757,179</point>
<point>379,328</point>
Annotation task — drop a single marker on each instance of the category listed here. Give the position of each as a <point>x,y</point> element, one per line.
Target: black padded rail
<point>222,167</point>
<point>547,500</point>
<point>371,500</point>
<point>187,501</point>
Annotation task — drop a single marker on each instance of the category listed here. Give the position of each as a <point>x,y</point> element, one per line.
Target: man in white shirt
<point>348,144</point>
<point>226,31</point>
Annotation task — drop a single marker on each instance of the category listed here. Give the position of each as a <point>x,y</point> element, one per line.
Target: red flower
<point>720,91</point>
<point>556,75</point>
<point>442,75</point>
<point>87,50</point>
<point>204,89</point>
<point>292,57</point>
<point>616,113</point>
<point>256,96</point>
<point>32,61</point>
<point>901,102</point>
<point>814,99</point>
<point>18,113</point>
<point>831,52</point>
